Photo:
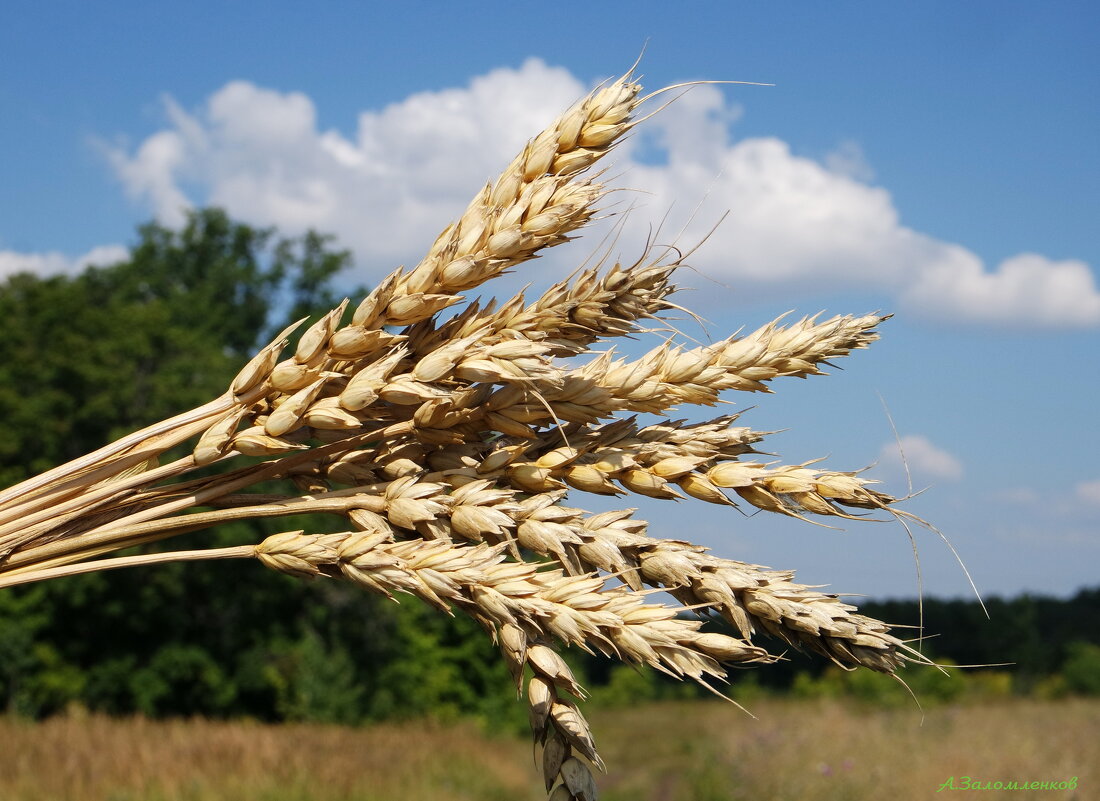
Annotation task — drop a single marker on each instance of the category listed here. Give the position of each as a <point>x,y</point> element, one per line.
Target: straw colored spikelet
<point>259,368</point>
<point>216,441</point>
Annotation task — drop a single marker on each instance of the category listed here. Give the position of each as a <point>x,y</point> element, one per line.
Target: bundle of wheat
<point>450,442</point>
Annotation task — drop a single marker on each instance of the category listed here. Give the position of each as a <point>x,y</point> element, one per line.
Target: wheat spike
<point>450,432</point>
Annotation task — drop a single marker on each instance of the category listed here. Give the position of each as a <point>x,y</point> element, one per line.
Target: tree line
<point>87,358</point>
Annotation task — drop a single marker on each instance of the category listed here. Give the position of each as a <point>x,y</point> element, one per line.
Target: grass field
<point>797,750</point>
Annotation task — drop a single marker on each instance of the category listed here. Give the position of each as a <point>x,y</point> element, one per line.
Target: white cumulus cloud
<point>1027,288</point>
<point>809,224</point>
<point>55,263</point>
<point>925,460</point>
<point>386,191</point>
<point>1089,492</point>
<point>409,168</point>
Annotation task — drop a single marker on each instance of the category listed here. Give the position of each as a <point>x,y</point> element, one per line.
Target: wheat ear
<point>448,432</point>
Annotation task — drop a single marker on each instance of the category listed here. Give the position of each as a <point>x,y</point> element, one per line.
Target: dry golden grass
<point>797,750</point>
<point>838,751</point>
<point>85,758</point>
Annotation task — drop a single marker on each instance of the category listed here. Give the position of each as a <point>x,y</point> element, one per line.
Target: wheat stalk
<point>450,448</point>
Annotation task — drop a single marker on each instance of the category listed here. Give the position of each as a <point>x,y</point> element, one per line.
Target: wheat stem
<point>140,560</point>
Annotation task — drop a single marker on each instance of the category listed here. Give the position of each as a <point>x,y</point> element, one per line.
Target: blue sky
<point>937,160</point>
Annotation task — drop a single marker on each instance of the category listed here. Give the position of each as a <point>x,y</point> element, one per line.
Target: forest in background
<point>87,358</point>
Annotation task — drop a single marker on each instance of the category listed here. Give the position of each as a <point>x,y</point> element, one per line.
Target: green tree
<point>87,358</point>
<point>1081,669</point>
